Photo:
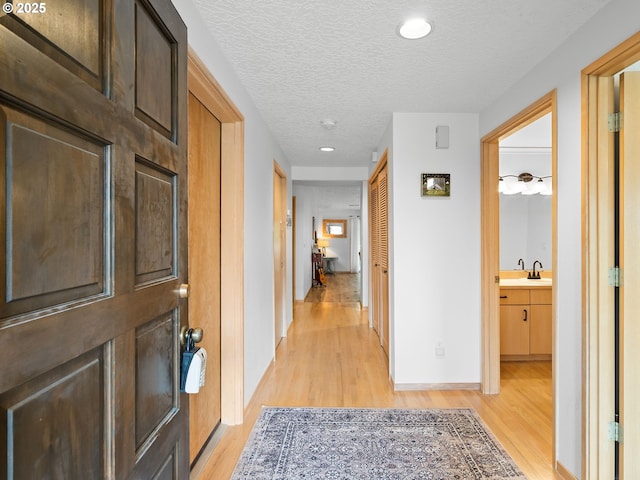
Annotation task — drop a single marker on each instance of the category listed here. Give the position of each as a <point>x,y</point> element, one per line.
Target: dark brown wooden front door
<point>93,242</point>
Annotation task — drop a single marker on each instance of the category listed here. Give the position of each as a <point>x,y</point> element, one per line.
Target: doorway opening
<point>490,236</point>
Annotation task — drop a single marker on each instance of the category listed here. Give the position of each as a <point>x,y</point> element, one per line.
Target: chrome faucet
<point>533,275</point>
<point>521,263</point>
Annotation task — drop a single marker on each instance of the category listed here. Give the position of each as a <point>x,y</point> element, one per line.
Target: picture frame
<point>435,185</point>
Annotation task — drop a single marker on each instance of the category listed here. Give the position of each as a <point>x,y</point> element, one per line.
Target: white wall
<point>260,150</point>
<point>609,27</point>
<point>434,252</point>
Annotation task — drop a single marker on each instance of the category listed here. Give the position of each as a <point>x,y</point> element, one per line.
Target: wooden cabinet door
<point>93,241</point>
<point>540,329</point>
<point>514,329</point>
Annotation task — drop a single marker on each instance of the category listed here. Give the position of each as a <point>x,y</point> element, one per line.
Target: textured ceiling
<point>303,62</point>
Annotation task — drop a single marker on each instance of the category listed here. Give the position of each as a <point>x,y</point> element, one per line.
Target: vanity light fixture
<point>523,184</point>
<point>327,149</point>
<point>415,28</point>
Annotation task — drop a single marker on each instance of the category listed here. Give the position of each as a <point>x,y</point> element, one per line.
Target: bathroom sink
<point>525,282</point>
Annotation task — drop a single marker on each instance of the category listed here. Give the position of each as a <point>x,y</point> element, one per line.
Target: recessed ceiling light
<point>327,149</point>
<point>414,28</point>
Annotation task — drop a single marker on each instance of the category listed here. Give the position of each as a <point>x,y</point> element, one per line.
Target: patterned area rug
<point>376,444</point>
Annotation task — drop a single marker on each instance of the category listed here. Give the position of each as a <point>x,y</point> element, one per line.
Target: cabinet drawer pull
<point>503,296</point>
<point>525,315</point>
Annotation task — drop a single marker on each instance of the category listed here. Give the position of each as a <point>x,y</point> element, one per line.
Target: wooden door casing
<point>279,250</point>
<point>93,152</point>
<point>205,410</point>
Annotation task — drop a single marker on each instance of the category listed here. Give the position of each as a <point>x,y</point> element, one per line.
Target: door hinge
<point>615,277</point>
<point>614,122</point>
<point>615,432</point>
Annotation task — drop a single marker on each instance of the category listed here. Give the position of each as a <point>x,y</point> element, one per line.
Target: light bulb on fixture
<point>415,28</point>
<point>524,184</point>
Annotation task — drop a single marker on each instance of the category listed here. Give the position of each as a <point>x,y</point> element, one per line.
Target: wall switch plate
<point>439,349</point>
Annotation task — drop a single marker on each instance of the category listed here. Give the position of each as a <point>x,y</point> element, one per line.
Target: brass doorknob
<point>196,334</point>
<point>183,290</point>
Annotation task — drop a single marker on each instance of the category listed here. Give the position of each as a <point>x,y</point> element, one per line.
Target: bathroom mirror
<point>525,220</point>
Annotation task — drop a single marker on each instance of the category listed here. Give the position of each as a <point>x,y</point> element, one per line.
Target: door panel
<point>64,261</point>
<point>72,41</point>
<point>383,233</point>
<point>630,264</point>
<point>93,200</point>
<point>63,409</point>
<point>375,256</point>
<point>204,270</point>
<point>379,241</point>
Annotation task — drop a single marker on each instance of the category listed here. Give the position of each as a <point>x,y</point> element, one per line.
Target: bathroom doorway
<point>490,164</point>
<point>490,218</point>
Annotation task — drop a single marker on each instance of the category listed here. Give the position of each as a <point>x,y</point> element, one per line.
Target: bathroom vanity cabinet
<point>525,323</point>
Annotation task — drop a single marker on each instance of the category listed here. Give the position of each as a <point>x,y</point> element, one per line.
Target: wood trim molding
<point>597,302</point>
<point>384,158</point>
<point>209,92</point>
<point>421,387</point>
<point>564,473</point>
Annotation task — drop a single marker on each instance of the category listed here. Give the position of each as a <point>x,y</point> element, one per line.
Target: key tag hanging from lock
<point>193,366</point>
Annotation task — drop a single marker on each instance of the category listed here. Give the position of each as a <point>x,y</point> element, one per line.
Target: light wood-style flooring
<point>331,358</point>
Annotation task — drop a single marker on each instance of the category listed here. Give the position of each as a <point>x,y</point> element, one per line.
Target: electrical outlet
<point>439,348</point>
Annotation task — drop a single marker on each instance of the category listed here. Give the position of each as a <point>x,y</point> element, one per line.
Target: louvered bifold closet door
<point>383,240</point>
<point>375,249</point>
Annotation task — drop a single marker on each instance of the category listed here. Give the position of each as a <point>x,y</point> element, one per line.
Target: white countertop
<point>525,282</point>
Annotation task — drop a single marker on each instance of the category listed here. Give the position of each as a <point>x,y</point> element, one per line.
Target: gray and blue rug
<point>376,444</point>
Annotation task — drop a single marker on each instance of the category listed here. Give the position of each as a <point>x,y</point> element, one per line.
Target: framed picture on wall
<point>435,185</point>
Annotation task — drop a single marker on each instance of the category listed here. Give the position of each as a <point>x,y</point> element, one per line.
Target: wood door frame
<point>597,255</point>
<point>490,234</point>
<point>280,210</point>
<point>209,92</point>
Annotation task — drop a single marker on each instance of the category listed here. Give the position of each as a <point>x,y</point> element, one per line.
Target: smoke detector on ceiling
<point>328,124</point>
